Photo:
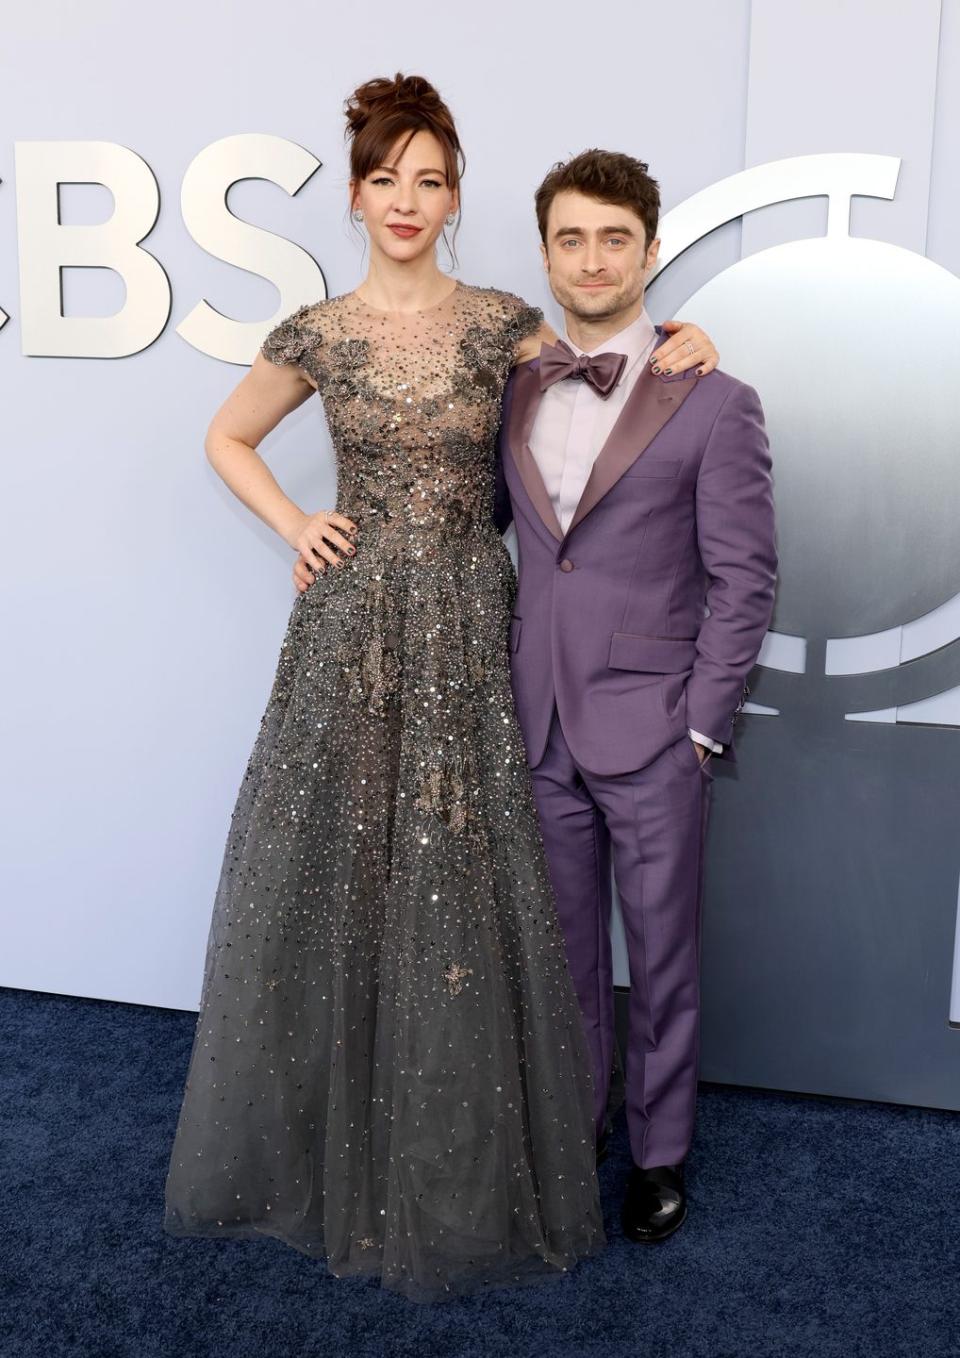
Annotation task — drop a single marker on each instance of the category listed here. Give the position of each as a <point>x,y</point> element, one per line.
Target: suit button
<point>566,564</point>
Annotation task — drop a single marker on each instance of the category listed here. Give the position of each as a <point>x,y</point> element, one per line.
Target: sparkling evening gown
<point>389,1069</point>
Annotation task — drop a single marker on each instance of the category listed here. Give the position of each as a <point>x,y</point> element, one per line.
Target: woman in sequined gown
<point>389,1069</point>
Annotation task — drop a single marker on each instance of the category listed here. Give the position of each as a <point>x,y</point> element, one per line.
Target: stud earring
<point>451,219</point>
<point>358,216</point>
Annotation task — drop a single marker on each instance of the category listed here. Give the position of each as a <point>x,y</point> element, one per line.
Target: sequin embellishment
<point>455,975</point>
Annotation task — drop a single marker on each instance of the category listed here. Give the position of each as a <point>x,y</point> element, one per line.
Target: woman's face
<point>405,203</point>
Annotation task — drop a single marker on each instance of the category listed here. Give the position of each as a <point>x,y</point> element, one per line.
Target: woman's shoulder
<point>308,313</point>
<point>305,329</point>
<point>499,299</point>
<point>506,310</point>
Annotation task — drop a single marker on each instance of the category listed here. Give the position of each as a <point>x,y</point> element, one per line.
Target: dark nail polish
<point>669,371</point>
<point>656,368</point>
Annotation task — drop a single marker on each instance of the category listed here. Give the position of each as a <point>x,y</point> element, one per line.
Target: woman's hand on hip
<point>303,576</point>
<point>323,539</point>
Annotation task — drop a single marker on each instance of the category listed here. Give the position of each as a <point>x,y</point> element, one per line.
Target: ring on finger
<point>691,348</point>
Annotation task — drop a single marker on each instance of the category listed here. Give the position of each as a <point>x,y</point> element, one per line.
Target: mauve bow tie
<point>602,371</point>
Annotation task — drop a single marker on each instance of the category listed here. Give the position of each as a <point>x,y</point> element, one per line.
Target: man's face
<point>595,256</point>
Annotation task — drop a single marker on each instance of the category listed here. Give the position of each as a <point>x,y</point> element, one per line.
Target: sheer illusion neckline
<point>421,311</point>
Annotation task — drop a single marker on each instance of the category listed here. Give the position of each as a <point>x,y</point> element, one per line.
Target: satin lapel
<point>525,402</point>
<point>646,411</point>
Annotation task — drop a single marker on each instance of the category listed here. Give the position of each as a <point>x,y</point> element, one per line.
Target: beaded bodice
<point>412,402</point>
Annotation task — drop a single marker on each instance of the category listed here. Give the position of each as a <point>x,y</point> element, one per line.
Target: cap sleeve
<point>293,338</point>
<point>520,319</point>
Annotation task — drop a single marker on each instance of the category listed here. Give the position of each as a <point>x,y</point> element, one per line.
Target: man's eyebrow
<point>603,230</point>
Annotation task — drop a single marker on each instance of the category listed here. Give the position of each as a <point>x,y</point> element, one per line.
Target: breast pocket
<point>660,467</point>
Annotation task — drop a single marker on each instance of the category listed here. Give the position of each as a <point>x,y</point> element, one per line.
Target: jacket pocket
<point>686,756</point>
<point>656,655</point>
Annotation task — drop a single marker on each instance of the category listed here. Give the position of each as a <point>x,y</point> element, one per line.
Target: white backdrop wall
<point>142,606</point>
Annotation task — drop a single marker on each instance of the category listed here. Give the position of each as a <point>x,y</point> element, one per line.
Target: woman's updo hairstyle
<point>380,112</point>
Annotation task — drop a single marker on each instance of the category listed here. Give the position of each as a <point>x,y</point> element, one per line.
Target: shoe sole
<point>657,1239</point>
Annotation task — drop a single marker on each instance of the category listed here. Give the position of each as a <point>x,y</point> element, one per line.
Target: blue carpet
<point>817,1228</point>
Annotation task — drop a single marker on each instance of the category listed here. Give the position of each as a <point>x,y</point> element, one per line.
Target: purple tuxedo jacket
<point>647,615</point>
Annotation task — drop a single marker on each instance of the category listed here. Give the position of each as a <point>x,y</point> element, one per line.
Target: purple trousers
<point>653,823</point>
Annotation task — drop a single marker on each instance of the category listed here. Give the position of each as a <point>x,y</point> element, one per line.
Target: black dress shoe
<point>655,1205</point>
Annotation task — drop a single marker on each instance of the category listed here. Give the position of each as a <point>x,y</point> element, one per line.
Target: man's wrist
<point>698,738</point>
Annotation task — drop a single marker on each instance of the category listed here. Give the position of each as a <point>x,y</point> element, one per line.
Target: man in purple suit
<point>643,507</point>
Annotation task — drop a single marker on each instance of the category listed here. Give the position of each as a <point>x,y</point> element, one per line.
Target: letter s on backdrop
<point>296,274</point>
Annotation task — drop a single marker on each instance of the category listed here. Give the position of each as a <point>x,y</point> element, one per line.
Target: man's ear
<point>545,257</point>
<point>653,253</point>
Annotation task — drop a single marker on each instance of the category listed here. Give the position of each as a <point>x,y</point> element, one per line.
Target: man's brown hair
<point>607,176</point>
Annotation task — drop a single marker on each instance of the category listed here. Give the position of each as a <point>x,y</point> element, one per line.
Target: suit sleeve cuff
<point>713,745</point>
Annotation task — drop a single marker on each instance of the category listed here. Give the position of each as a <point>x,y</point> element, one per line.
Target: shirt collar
<point>636,340</point>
